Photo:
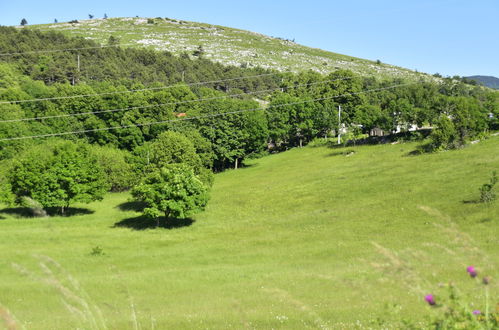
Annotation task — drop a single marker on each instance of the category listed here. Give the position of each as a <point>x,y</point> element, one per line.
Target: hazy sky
<point>446,36</point>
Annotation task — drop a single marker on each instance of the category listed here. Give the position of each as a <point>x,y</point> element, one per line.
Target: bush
<point>487,193</point>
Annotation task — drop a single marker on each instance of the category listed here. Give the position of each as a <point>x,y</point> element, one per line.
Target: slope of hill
<point>489,81</point>
<point>282,244</point>
<point>226,45</point>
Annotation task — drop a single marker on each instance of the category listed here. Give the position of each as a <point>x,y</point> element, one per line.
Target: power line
<point>138,90</point>
<point>169,103</point>
<point>199,117</point>
<point>63,50</point>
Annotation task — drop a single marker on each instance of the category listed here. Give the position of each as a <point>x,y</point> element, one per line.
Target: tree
<point>105,16</point>
<point>118,173</point>
<point>55,20</point>
<point>90,16</point>
<point>173,190</point>
<point>57,174</point>
<point>24,22</point>
<point>444,136</point>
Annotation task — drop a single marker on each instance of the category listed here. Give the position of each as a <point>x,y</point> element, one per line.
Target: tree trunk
<point>235,165</point>
<point>301,143</point>
<point>62,210</point>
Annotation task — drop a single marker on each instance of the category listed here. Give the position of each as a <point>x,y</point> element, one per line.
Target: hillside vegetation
<point>315,237</point>
<point>226,45</point>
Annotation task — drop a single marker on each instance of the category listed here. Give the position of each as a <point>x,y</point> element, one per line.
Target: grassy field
<point>223,44</point>
<point>310,238</point>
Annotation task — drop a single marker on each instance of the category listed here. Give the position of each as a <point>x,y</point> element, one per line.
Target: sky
<point>450,37</point>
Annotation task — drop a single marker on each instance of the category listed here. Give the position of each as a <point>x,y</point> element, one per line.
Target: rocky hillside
<point>222,44</point>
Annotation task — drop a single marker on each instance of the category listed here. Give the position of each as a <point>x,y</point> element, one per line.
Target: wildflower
<point>486,280</point>
<point>471,270</point>
<point>476,312</point>
<point>429,299</point>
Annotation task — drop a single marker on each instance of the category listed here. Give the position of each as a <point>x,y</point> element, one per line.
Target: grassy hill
<point>315,237</point>
<point>223,44</point>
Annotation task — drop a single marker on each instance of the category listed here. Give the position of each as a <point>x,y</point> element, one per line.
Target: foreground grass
<point>310,238</point>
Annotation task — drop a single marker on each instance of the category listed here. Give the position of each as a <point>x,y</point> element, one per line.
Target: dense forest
<point>136,109</point>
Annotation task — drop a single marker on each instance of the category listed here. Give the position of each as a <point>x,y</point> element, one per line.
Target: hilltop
<point>488,81</point>
<point>226,45</point>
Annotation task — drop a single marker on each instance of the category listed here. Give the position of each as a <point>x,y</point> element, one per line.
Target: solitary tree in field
<point>57,174</point>
<point>55,20</point>
<point>24,22</point>
<point>90,16</point>
<point>105,16</point>
<point>173,191</point>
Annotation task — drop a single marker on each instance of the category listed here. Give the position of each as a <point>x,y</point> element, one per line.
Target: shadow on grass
<point>346,153</point>
<point>143,223</point>
<point>132,206</point>
<point>471,201</point>
<point>26,212</point>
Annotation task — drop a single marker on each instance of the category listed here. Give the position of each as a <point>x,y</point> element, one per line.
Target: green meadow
<point>315,237</point>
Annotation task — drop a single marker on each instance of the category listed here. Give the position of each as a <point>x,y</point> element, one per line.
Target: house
<point>376,132</point>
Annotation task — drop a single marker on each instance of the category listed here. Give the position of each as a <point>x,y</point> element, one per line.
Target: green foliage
<point>226,135</point>
<point>455,313</point>
<point>169,148</point>
<point>444,136</point>
<point>6,195</point>
<point>173,190</point>
<point>487,193</point>
<point>119,173</point>
<point>97,251</point>
<point>57,174</point>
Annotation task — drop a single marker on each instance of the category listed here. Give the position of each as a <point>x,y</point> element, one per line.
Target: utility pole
<point>339,124</point>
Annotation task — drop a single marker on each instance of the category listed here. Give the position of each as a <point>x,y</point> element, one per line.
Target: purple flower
<point>471,270</point>
<point>486,280</point>
<point>476,312</point>
<point>429,299</point>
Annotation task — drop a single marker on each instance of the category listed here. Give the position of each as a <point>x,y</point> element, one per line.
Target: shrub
<point>487,193</point>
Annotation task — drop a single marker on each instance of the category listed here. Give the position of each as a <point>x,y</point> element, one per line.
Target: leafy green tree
<point>169,148</point>
<point>173,190</point>
<point>371,116</point>
<point>119,173</point>
<point>57,174</point>
<point>24,22</point>
<point>290,120</point>
<point>444,135</point>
